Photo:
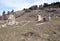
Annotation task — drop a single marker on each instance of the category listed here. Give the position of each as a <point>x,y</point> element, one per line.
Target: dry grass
<point>51,28</point>
<point>14,33</point>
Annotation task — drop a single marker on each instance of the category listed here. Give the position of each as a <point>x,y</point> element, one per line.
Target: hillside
<point>49,31</point>
<point>28,28</point>
<point>32,14</point>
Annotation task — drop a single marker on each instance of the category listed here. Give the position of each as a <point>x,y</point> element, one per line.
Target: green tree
<point>12,11</point>
<point>46,4</point>
<point>3,13</point>
<point>8,12</point>
<point>35,7</point>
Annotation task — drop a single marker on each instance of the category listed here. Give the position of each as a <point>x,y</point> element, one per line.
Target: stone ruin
<point>39,18</point>
<point>43,19</point>
<point>10,21</point>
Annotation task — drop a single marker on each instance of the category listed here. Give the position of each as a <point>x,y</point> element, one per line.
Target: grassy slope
<point>51,28</point>
<point>13,33</point>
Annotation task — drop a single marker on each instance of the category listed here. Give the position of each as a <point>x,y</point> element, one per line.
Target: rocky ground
<point>31,31</point>
<point>28,29</point>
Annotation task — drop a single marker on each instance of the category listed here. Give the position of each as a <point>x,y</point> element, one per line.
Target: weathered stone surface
<point>39,18</point>
<point>11,19</point>
<point>3,25</point>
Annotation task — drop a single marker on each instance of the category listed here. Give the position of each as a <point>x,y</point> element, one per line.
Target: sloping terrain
<point>32,15</point>
<point>49,31</point>
<point>29,29</point>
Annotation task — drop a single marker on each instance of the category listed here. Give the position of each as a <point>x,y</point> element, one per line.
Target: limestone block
<point>11,19</point>
<point>39,17</point>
